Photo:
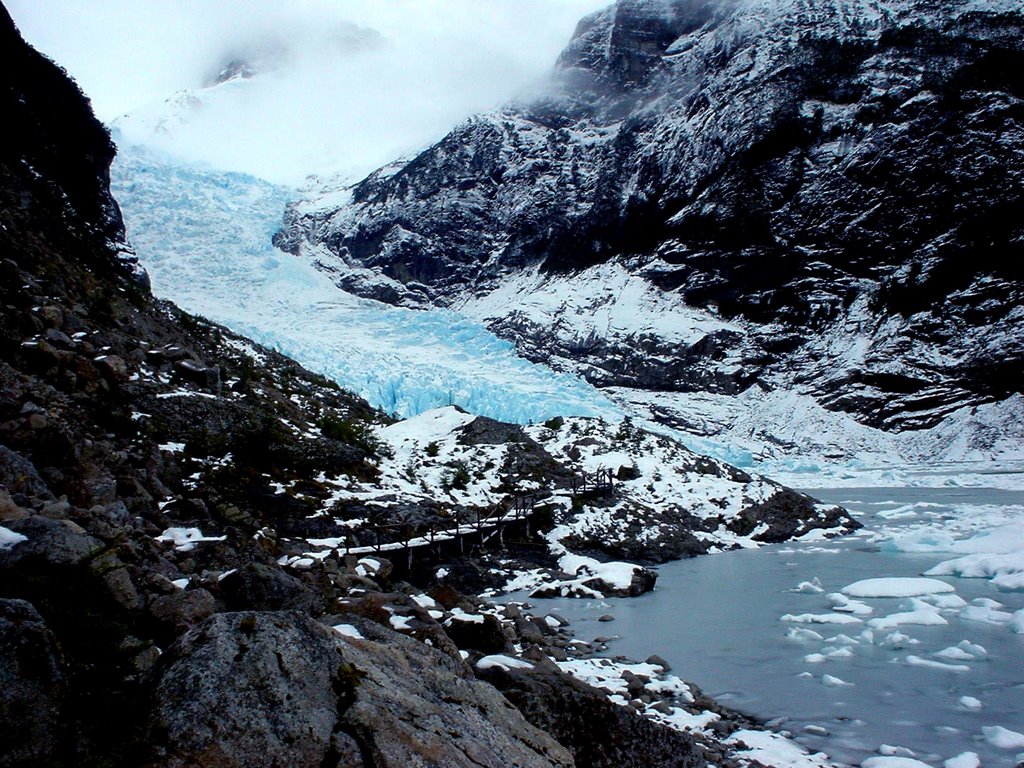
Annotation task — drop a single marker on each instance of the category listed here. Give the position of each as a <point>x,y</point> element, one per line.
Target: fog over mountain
<point>327,87</point>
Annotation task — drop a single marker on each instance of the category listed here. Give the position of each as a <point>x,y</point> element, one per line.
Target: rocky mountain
<point>717,201</point>
<point>183,515</point>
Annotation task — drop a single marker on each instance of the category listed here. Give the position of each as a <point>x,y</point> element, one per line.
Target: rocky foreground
<point>179,510</point>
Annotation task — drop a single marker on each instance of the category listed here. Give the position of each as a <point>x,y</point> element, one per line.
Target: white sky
<point>324,109</point>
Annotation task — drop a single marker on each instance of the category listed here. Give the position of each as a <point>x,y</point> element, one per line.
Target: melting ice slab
<point>896,587</point>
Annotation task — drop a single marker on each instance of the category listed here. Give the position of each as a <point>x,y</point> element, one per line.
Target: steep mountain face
<point>811,195</point>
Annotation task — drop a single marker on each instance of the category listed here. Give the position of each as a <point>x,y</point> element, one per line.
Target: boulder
<point>181,609</point>
<point>20,475</point>
<point>268,689</point>
<point>599,734</point>
<point>477,632</point>
<point>261,588</point>
<point>31,688</point>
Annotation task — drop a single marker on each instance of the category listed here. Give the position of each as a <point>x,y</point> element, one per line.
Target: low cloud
<point>340,85</point>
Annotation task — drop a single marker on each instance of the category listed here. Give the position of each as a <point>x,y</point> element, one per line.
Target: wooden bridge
<point>471,529</point>
<point>590,484</point>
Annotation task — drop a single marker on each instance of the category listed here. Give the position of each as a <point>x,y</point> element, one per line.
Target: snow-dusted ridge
<point>667,502</point>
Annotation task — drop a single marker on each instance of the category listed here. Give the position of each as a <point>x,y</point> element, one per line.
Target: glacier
<point>204,236</point>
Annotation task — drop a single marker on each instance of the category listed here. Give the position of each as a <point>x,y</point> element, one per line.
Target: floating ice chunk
<point>897,641</point>
<point>843,640</point>
<point>802,634</point>
<point>919,613</point>
<point>815,658</point>
<point>811,587</point>
<point>1006,567</point>
<point>973,649</point>
<point>838,653</point>
<point>950,602</point>
<point>1009,582</point>
<point>896,587</point>
<point>820,618</point>
<point>891,761</point>
<point>985,615</point>
<point>917,661</point>
<point>843,604</point>
<point>953,654</point>
<point>969,702</point>
<point>1003,738</point>
<point>889,749</point>
<point>963,760</point>
<point>9,539</point>
<point>347,630</point>
<point>834,682</point>
<point>1017,622</point>
<point>986,602</point>
<point>499,661</point>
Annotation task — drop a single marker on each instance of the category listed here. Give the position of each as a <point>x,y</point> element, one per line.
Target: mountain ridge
<point>838,179</point>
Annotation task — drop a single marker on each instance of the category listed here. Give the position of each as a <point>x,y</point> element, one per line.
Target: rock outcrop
<point>266,689</point>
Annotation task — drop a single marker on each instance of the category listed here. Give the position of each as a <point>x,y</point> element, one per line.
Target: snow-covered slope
<point>719,202</point>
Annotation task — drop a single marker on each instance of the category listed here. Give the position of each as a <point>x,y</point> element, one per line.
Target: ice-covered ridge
<point>204,236</point>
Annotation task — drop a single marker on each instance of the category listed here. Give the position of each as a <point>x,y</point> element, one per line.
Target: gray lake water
<point>716,620</point>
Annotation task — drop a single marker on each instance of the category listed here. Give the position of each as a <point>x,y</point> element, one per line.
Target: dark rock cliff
<point>808,169</point>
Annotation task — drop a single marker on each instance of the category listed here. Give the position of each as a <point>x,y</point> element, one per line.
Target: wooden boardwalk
<point>469,529</point>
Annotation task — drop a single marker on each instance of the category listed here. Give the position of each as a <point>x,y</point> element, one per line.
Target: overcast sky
<point>331,98</point>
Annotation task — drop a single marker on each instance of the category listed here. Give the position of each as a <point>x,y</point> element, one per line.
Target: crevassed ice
<point>204,237</point>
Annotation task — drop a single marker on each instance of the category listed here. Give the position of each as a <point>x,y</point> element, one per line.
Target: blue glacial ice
<point>204,237</point>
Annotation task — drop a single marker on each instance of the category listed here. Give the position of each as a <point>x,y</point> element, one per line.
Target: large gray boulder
<point>268,689</point>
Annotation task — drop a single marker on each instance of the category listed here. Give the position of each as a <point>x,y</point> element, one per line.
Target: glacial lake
<point>717,621</point>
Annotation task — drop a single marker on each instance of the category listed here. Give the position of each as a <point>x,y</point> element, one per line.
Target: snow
<point>771,749</point>
<point>347,630</point>
<point>400,623</point>
<point>460,615</point>
<point>500,661</point>
<point>896,587</point>
<point>9,539</point>
<point>185,539</point>
<point>617,575</point>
